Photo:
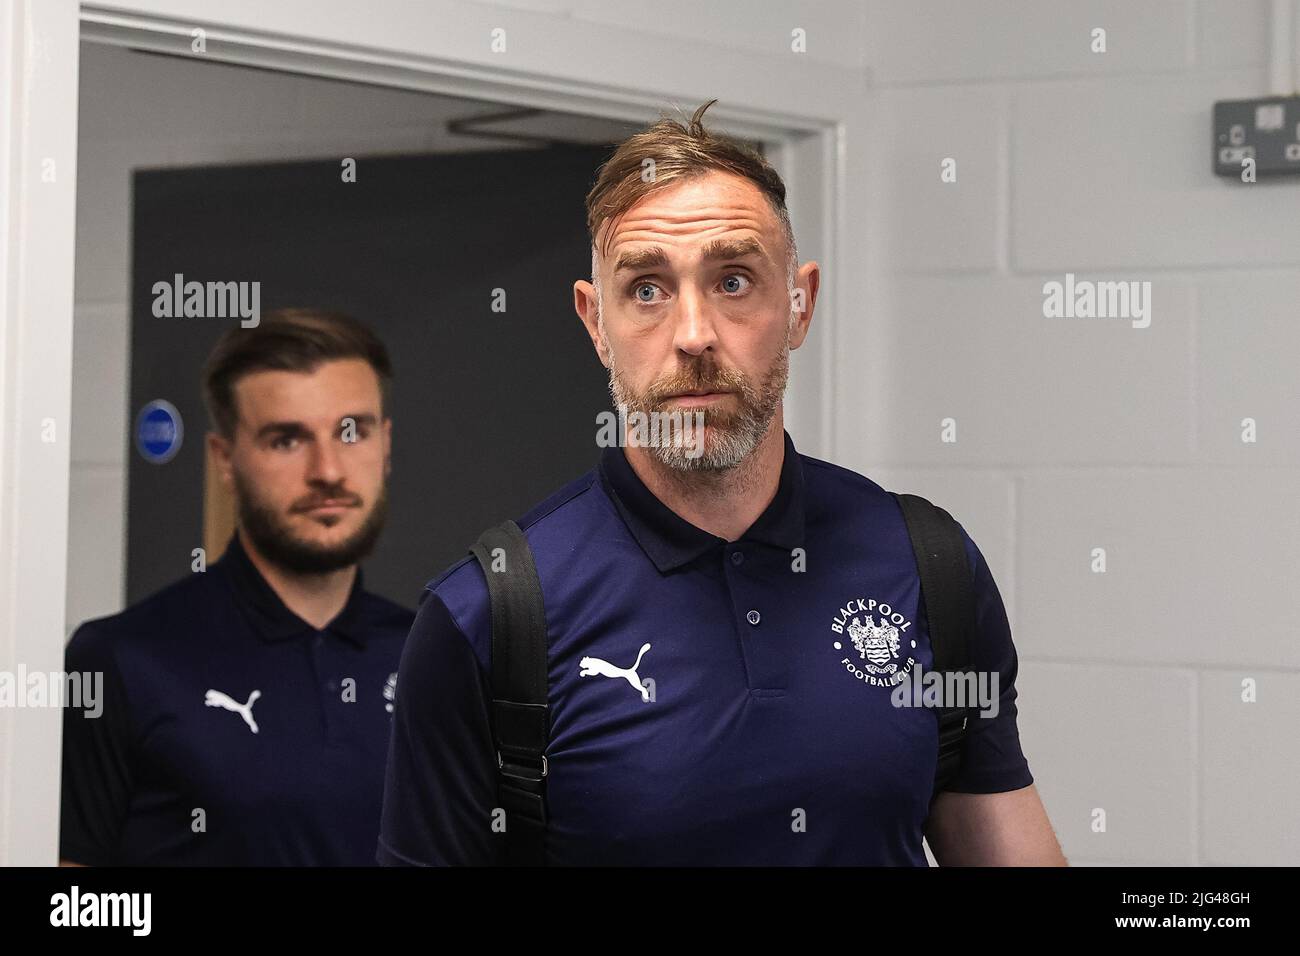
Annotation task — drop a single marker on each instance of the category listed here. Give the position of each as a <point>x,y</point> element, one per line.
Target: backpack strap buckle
<point>535,773</point>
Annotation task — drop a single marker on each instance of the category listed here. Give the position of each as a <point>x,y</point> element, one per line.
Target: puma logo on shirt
<point>594,666</point>
<point>214,698</point>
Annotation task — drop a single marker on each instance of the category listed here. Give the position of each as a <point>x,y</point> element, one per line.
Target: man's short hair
<point>678,152</point>
<point>286,340</point>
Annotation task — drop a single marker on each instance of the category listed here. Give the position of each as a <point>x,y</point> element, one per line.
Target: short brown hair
<point>288,340</point>
<point>678,152</point>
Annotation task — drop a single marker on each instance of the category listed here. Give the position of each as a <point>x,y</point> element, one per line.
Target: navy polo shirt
<point>295,778</point>
<point>761,741</point>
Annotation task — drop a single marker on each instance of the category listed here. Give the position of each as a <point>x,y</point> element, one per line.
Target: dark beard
<point>276,542</point>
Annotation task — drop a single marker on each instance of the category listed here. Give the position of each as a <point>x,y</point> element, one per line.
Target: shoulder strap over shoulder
<point>947,594</point>
<point>520,715</point>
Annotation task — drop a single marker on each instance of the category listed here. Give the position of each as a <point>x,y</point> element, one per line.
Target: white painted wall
<point>1090,433</point>
<point>38,161</point>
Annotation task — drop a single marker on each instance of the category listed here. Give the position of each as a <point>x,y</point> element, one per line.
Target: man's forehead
<point>307,395</point>
<point>699,214</point>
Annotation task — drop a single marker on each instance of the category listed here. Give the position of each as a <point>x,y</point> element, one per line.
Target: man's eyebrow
<point>647,258</point>
<point>361,418</point>
<point>654,256</point>
<point>733,248</point>
<point>300,428</point>
<point>284,428</point>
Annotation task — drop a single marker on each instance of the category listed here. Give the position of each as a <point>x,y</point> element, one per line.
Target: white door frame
<point>811,122</point>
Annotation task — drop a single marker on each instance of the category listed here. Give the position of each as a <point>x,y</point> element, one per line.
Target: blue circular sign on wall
<point>158,431</point>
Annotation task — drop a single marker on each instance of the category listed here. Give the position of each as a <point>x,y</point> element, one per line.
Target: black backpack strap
<point>948,597</point>
<point>520,715</point>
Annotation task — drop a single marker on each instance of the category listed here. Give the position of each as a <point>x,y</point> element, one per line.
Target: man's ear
<point>807,281</point>
<point>219,451</point>
<point>584,303</point>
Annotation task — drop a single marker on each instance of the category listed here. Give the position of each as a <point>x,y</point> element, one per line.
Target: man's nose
<point>325,463</point>
<point>694,332</point>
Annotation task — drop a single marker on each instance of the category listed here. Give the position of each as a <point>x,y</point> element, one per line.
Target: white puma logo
<point>214,698</point>
<point>591,666</point>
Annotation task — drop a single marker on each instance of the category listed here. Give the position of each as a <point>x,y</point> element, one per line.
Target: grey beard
<point>724,447</point>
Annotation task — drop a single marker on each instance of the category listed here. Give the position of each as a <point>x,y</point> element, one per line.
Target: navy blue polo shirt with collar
<point>227,735</point>
<point>762,742</point>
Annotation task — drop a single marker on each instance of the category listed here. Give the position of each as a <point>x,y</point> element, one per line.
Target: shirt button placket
<point>330,688</point>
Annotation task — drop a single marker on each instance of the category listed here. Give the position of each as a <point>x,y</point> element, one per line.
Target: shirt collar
<point>268,615</point>
<point>671,541</point>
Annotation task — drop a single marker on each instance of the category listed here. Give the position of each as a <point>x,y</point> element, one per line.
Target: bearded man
<point>248,707</point>
<point>699,702</point>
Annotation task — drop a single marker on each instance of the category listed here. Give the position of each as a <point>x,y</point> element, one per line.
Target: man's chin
<point>321,543</point>
<point>324,539</point>
<point>305,545</point>
<point>723,449</point>
<point>315,555</point>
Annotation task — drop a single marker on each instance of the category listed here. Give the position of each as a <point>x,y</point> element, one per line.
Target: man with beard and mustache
<point>701,701</point>
<point>247,708</point>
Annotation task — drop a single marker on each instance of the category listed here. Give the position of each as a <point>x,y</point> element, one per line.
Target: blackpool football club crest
<point>877,648</point>
<point>390,692</point>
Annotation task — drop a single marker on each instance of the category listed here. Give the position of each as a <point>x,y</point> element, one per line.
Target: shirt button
<point>737,557</point>
<point>753,617</point>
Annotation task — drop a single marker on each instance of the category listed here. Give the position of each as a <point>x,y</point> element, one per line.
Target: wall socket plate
<point>1266,130</point>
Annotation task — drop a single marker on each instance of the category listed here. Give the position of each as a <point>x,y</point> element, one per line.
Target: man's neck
<point>723,503</point>
<point>316,598</point>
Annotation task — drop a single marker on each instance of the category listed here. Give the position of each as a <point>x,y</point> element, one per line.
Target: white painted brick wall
<point>1076,434</point>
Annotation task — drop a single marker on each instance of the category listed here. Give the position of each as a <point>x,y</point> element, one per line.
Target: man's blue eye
<point>644,288</point>
<point>732,283</point>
